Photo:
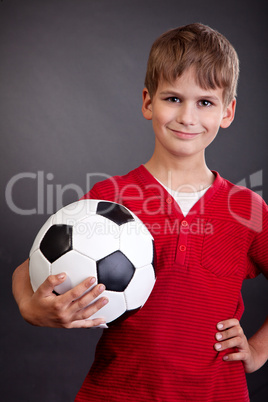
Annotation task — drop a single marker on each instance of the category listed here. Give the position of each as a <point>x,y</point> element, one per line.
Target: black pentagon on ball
<point>115,212</point>
<point>115,271</point>
<point>56,242</point>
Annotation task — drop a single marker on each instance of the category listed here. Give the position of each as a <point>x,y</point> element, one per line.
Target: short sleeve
<point>105,190</point>
<point>92,194</point>
<point>258,251</point>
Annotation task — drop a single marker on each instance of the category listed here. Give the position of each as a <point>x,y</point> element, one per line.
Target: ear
<point>229,114</point>
<point>146,104</point>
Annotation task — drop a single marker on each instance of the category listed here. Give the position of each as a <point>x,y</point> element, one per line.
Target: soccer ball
<point>101,239</point>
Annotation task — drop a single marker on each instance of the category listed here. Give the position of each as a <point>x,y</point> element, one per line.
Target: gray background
<point>71,76</point>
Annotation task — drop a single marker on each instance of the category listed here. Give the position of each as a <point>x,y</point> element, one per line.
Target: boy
<point>209,235</point>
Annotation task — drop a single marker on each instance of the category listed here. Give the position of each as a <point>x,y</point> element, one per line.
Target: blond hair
<point>196,45</point>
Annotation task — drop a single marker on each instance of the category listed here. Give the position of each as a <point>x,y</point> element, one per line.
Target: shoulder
<point>244,205</point>
<point>242,195</point>
<point>111,188</point>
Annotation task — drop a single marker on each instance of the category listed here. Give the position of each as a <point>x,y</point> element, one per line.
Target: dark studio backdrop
<point>71,77</point>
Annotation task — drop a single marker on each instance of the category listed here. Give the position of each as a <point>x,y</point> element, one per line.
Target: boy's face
<point>185,117</point>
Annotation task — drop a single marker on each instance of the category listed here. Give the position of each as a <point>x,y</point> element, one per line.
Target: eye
<point>205,103</point>
<point>173,99</point>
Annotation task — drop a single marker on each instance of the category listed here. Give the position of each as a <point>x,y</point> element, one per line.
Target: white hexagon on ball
<point>78,267</point>
<point>135,294</point>
<point>39,269</point>
<point>116,306</point>
<point>134,237</point>
<point>96,236</point>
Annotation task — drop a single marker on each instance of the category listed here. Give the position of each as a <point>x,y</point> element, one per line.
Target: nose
<point>186,114</point>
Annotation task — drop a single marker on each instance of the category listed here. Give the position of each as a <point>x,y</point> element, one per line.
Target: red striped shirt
<point>165,351</point>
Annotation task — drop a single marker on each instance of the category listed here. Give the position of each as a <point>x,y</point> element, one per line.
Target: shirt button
<point>169,200</point>
<point>184,223</point>
<point>182,247</point>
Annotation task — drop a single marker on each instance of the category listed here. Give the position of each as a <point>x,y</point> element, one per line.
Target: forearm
<point>259,345</point>
<point>21,286</point>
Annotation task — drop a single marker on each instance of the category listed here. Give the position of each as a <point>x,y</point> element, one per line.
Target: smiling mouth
<point>183,134</point>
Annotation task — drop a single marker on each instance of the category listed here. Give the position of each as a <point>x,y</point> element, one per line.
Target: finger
<point>97,322</point>
<point>88,297</point>
<point>88,304</point>
<point>230,343</point>
<point>76,292</point>
<point>222,325</point>
<point>230,333</point>
<point>47,287</point>
<point>235,357</point>
<point>91,309</point>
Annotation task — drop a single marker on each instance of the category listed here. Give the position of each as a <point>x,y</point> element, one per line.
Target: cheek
<point>212,123</point>
<point>161,117</point>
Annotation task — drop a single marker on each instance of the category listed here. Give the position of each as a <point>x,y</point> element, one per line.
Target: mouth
<point>184,134</point>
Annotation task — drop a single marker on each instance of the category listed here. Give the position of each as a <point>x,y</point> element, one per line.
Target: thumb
<point>47,287</point>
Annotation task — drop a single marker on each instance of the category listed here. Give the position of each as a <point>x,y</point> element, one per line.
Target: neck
<point>181,174</point>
